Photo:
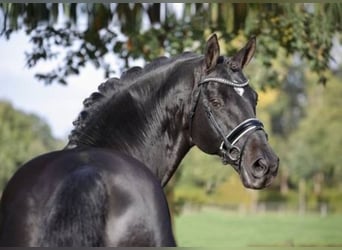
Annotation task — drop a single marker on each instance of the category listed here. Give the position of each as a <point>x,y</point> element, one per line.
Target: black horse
<point>105,187</point>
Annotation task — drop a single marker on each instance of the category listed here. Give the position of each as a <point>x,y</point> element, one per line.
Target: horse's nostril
<point>260,168</point>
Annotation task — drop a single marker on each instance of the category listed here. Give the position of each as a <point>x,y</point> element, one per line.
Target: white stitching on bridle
<point>225,81</point>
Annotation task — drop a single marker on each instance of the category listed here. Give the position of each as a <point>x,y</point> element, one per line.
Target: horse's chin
<point>252,182</point>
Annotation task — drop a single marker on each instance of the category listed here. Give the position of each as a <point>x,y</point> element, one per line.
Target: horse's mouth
<point>256,183</point>
<point>257,177</point>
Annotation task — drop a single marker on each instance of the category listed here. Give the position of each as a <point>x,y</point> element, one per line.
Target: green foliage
<point>304,120</point>
<point>333,197</point>
<point>315,146</point>
<point>22,136</point>
<point>204,180</point>
<point>135,30</point>
<point>190,194</point>
<point>203,171</point>
<point>272,196</point>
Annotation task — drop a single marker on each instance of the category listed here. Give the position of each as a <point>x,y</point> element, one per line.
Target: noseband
<point>229,151</point>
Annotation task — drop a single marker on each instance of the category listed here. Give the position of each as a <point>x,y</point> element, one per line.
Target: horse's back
<point>84,197</point>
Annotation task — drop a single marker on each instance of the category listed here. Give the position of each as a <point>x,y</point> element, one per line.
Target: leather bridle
<point>230,153</point>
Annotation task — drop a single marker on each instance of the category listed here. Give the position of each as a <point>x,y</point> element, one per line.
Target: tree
<point>315,146</point>
<point>22,136</point>
<point>89,32</point>
<point>203,171</point>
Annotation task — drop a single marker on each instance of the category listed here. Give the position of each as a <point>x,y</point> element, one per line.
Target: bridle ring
<point>234,153</point>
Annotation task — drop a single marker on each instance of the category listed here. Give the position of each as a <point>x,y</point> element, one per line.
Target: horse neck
<point>148,123</point>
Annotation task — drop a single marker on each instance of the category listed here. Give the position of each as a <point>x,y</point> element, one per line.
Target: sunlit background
<point>296,70</point>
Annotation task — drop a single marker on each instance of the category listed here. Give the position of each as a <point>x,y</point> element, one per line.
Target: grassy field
<point>214,228</point>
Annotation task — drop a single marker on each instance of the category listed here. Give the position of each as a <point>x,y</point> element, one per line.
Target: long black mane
<point>111,89</point>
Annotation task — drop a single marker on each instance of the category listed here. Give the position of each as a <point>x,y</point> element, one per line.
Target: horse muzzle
<point>259,165</point>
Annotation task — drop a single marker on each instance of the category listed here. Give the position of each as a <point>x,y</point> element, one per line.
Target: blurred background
<point>54,55</point>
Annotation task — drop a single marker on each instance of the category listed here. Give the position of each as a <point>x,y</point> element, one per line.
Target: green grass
<point>212,228</point>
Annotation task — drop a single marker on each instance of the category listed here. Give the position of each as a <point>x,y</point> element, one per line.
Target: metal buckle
<point>234,153</point>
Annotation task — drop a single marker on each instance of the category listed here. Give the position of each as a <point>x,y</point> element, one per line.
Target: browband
<point>224,81</point>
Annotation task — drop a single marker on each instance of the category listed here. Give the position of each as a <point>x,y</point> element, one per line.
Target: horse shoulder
<point>138,213</point>
<point>118,188</point>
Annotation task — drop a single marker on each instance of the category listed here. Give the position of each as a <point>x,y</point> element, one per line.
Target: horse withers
<point>105,188</point>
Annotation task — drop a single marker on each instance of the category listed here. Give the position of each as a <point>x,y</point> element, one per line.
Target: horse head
<point>223,116</point>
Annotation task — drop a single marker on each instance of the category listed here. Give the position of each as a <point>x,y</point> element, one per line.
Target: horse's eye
<point>215,103</point>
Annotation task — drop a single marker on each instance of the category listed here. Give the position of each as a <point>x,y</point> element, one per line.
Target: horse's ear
<point>212,52</point>
<point>244,55</point>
